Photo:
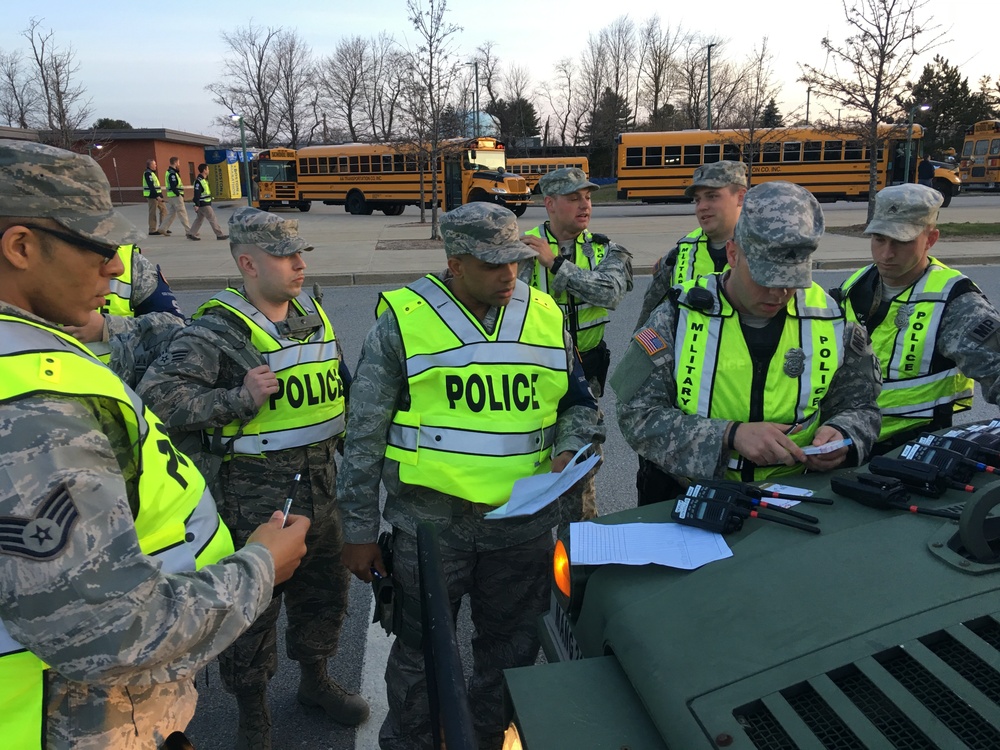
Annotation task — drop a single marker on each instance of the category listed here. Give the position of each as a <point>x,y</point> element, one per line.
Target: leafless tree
<point>54,75</point>
<point>296,90</point>
<point>342,78</point>
<point>618,40</point>
<point>870,68</point>
<point>562,95</point>
<point>434,72</point>
<point>250,82</point>
<point>658,78</point>
<point>693,70</point>
<point>384,86</point>
<point>18,96</point>
<point>593,76</point>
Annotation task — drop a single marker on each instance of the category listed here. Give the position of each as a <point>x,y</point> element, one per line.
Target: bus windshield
<point>276,171</point>
<point>485,159</point>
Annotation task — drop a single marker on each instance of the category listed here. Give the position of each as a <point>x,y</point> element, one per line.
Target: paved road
<point>362,654</point>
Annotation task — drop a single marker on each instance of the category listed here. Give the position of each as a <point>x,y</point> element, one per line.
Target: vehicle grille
<point>939,691</point>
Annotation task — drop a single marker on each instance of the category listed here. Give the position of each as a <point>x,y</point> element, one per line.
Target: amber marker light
<point>560,568</point>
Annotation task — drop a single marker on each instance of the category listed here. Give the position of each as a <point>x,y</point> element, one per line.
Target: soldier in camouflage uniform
<point>103,620</point>
<point>586,273</point>
<point>266,382</point>
<point>142,318</point>
<point>737,372</point>
<point>717,190</point>
<point>932,329</point>
<point>473,320</point>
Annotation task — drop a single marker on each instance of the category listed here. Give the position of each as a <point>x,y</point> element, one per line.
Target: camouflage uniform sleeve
<point>605,286</point>
<point>91,604</point>
<point>850,404</point>
<point>138,341</point>
<point>659,285</point>
<point>183,386</point>
<point>580,424</point>
<point>970,336</point>
<point>375,392</point>
<point>683,444</point>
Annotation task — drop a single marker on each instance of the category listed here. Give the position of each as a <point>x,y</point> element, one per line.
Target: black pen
<point>791,429</point>
<point>288,500</point>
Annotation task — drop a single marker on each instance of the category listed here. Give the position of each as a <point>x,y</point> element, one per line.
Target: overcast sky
<point>148,62</point>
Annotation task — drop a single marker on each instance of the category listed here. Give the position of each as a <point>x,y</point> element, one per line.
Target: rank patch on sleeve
<point>650,340</point>
<point>44,536</point>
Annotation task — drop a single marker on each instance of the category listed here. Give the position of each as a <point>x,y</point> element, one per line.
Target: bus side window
<point>812,151</point>
<point>731,152</point>
<point>791,152</point>
<point>712,153</point>
<point>633,157</point>
<point>852,151</point>
<point>692,155</point>
<point>654,156</point>
<point>771,153</point>
<point>671,155</point>
<point>832,150</point>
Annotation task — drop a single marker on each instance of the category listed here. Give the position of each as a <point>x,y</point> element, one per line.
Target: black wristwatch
<point>557,263</point>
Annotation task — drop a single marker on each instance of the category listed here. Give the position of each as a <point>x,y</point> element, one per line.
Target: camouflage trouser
<point>508,589</point>
<point>315,597</point>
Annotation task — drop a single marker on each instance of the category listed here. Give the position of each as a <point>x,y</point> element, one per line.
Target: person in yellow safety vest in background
<point>270,420</point>
<point>587,274</point>
<point>103,622</point>
<point>717,189</point>
<point>204,209</point>
<point>737,372</point>
<point>933,330</point>
<point>140,312</point>
<point>154,197</point>
<point>175,199</point>
<point>466,382</point>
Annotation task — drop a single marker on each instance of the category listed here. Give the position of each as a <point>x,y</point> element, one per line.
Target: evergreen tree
<point>109,123</point>
<point>771,117</point>
<point>954,106</point>
<point>611,117</point>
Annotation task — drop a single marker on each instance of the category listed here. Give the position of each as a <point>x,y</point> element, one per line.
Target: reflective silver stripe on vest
<point>806,340</point>
<point>200,527</point>
<point>25,338</point>
<point>711,348</point>
<point>121,289</point>
<point>920,294</point>
<point>321,351</point>
<point>926,408</point>
<point>279,440</point>
<point>237,302</point>
<point>470,442</point>
<point>489,353</point>
<point>804,311</point>
<point>511,320</point>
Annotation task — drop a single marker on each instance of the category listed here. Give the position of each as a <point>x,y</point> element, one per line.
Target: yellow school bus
<point>656,167</point>
<point>273,181</point>
<point>980,164</point>
<point>532,169</point>
<point>363,177</point>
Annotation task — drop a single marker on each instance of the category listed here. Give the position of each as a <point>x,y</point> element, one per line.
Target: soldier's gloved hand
<point>261,383</point>
<point>766,444</point>
<point>287,545</point>
<point>361,558</point>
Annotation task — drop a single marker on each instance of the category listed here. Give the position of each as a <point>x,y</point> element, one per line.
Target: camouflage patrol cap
<point>44,182</point>
<point>778,229</point>
<point>565,181</point>
<point>902,212</point>
<point>485,230</point>
<point>718,174</point>
<point>271,233</point>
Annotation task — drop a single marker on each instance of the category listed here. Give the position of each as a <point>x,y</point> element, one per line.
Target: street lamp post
<point>246,164</point>
<point>909,138</point>
<point>808,95</point>
<point>475,98</point>
<point>708,108</point>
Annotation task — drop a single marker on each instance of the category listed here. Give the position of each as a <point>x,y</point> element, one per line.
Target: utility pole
<point>808,94</point>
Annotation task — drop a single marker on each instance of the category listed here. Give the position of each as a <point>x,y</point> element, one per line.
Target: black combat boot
<point>254,732</point>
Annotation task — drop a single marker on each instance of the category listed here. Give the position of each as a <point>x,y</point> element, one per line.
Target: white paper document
<point>531,494</point>
<point>670,544</point>
<point>784,489</point>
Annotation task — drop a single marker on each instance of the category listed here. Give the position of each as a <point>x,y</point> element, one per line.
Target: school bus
<point>532,169</point>
<point>272,180</point>
<point>363,177</point>
<point>980,164</point>
<point>656,167</point>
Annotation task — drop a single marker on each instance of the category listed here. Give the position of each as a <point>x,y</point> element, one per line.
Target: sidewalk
<point>372,249</point>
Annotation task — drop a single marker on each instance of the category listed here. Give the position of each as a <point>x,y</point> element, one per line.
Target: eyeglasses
<point>108,253</point>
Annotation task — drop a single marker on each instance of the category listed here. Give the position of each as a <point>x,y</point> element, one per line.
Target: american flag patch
<point>650,340</point>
